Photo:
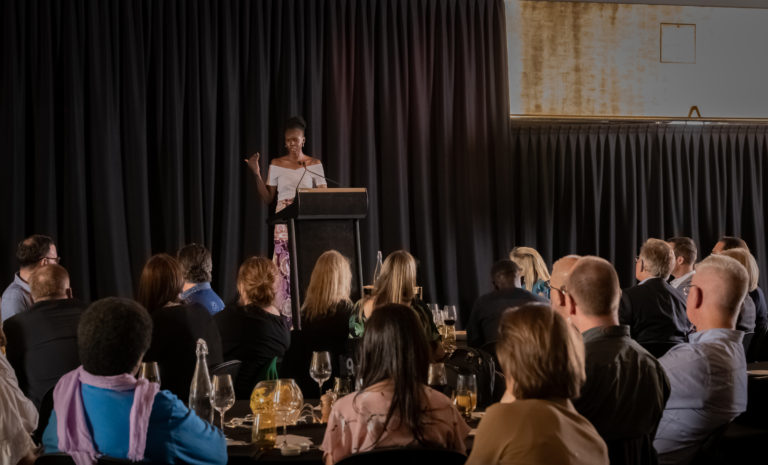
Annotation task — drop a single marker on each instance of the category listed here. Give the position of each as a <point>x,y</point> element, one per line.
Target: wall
<point>603,59</point>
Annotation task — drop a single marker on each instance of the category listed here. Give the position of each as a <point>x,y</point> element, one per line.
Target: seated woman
<point>535,422</point>
<point>325,316</point>
<point>177,325</point>
<point>535,273</point>
<point>396,285</point>
<point>100,408</point>
<point>394,407</point>
<point>18,417</point>
<point>253,331</point>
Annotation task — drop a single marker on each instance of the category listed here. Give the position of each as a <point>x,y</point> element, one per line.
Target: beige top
<point>356,423</point>
<point>536,432</point>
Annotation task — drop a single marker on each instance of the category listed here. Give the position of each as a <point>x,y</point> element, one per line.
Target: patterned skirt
<point>282,260</point>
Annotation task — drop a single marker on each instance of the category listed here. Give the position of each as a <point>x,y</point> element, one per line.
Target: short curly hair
<point>256,281</point>
<point>33,249</point>
<point>113,335</point>
<point>196,262</point>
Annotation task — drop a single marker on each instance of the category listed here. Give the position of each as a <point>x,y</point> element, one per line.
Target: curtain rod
<point>639,119</point>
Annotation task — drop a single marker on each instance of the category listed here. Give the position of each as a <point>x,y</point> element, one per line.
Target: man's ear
<point>696,296</point>
<point>679,260</point>
<point>69,293</point>
<point>570,305</point>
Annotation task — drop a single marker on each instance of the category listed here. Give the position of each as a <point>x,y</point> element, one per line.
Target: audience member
<point>483,325</point>
<point>729,242</point>
<point>626,388</point>
<point>325,316</point>
<point>100,408</point>
<point>394,407</point>
<point>18,419</point>
<point>654,310</point>
<point>197,264</point>
<point>31,253</point>
<point>42,342</point>
<point>709,374</point>
<point>253,331</point>
<point>685,257</point>
<point>535,422</point>
<point>561,269</point>
<point>396,285</point>
<point>747,315</point>
<point>177,325</point>
<point>757,295</point>
<point>535,273</point>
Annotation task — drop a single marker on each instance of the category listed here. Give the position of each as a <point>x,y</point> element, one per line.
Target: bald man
<point>626,387</point>
<point>561,269</point>
<point>708,375</point>
<point>42,342</point>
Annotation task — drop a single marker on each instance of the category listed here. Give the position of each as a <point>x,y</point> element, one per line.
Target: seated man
<point>561,269</point>
<point>104,408</point>
<point>685,257</point>
<point>483,325</point>
<point>654,310</point>
<point>42,342</point>
<point>32,252</point>
<point>626,387</point>
<point>196,262</point>
<point>709,374</point>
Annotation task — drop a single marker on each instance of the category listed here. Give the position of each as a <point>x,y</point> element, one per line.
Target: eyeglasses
<point>550,287</point>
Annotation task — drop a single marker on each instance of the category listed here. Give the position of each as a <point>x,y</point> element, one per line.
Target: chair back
<point>231,368</point>
<point>44,414</point>
<point>747,341</point>
<point>405,456</point>
<point>60,458</point>
<point>478,362</point>
<point>758,347</point>
<point>708,452</point>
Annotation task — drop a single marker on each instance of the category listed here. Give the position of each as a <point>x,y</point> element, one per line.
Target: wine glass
<point>222,395</point>
<point>287,401</point>
<point>150,371</point>
<point>449,338</point>
<point>436,377</point>
<point>320,369</point>
<point>465,398</point>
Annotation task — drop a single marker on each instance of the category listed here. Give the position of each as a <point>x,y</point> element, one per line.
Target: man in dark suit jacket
<point>483,325</point>
<point>42,342</point>
<point>654,310</point>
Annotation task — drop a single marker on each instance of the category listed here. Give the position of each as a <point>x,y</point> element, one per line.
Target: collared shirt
<point>201,293</point>
<point>174,434</point>
<point>16,298</point>
<point>626,387</point>
<point>683,283</point>
<point>709,389</point>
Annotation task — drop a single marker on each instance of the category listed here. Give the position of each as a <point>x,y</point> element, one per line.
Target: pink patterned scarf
<point>72,428</point>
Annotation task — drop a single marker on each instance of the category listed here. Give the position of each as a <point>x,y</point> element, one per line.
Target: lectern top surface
<point>330,190</point>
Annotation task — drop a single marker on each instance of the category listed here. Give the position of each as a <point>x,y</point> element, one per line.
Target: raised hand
<point>253,163</point>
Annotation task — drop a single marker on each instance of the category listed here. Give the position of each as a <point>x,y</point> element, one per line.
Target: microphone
<point>303,165</point>
<point>326,178</point>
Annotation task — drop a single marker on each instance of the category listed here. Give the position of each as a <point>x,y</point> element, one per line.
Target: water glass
<point>465,396</point>
<point>320,368</point>
<point>150,371</point>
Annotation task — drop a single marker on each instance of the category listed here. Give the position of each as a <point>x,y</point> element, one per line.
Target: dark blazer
<point>761,308</point>
<point>655,313</point>
<point>253,336</point>
<point>42,344</point>
<point>483,324</point>
<point>174,342</point>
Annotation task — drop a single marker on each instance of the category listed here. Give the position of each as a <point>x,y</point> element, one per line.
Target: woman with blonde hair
<point>252,330</point>
<point>543,363</point>
<point>535,273</point>
<point>395,285</point>
<point>325,316</point>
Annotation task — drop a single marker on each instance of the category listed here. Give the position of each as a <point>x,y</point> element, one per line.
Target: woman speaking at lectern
<point>285,175</point>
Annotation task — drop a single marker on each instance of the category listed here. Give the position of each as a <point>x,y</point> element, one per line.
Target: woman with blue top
<point>285,176</point>
<point>535,273</point>
<point>100,408</point>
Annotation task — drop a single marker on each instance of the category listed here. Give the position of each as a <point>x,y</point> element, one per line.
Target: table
<point>249,453</point>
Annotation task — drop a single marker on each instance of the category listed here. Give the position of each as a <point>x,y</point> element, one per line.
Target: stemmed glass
<point>436,377</point>
<point>222,395</point>
<point>150,372</point>
<point>287,401</point>
<point>449,317</point>
<point>465,398</point>
<point>320,368</point>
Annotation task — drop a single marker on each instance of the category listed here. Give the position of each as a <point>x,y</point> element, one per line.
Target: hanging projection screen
<point>636,60</point>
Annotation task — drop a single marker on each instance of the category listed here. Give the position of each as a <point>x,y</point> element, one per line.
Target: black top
<point>655,313</point>
<point>761,308</point>
<point>328,333</point>
<point>42,344</point>
<point>174,342</point>
<point>483,324</point>
<point>625,391</point>
<point>253,336</point>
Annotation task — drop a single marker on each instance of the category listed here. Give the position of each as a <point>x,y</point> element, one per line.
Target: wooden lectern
<point>319,220</point>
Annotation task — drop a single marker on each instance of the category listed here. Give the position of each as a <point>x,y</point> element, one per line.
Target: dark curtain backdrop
<point>604,189</point>
<point>124,124</point>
